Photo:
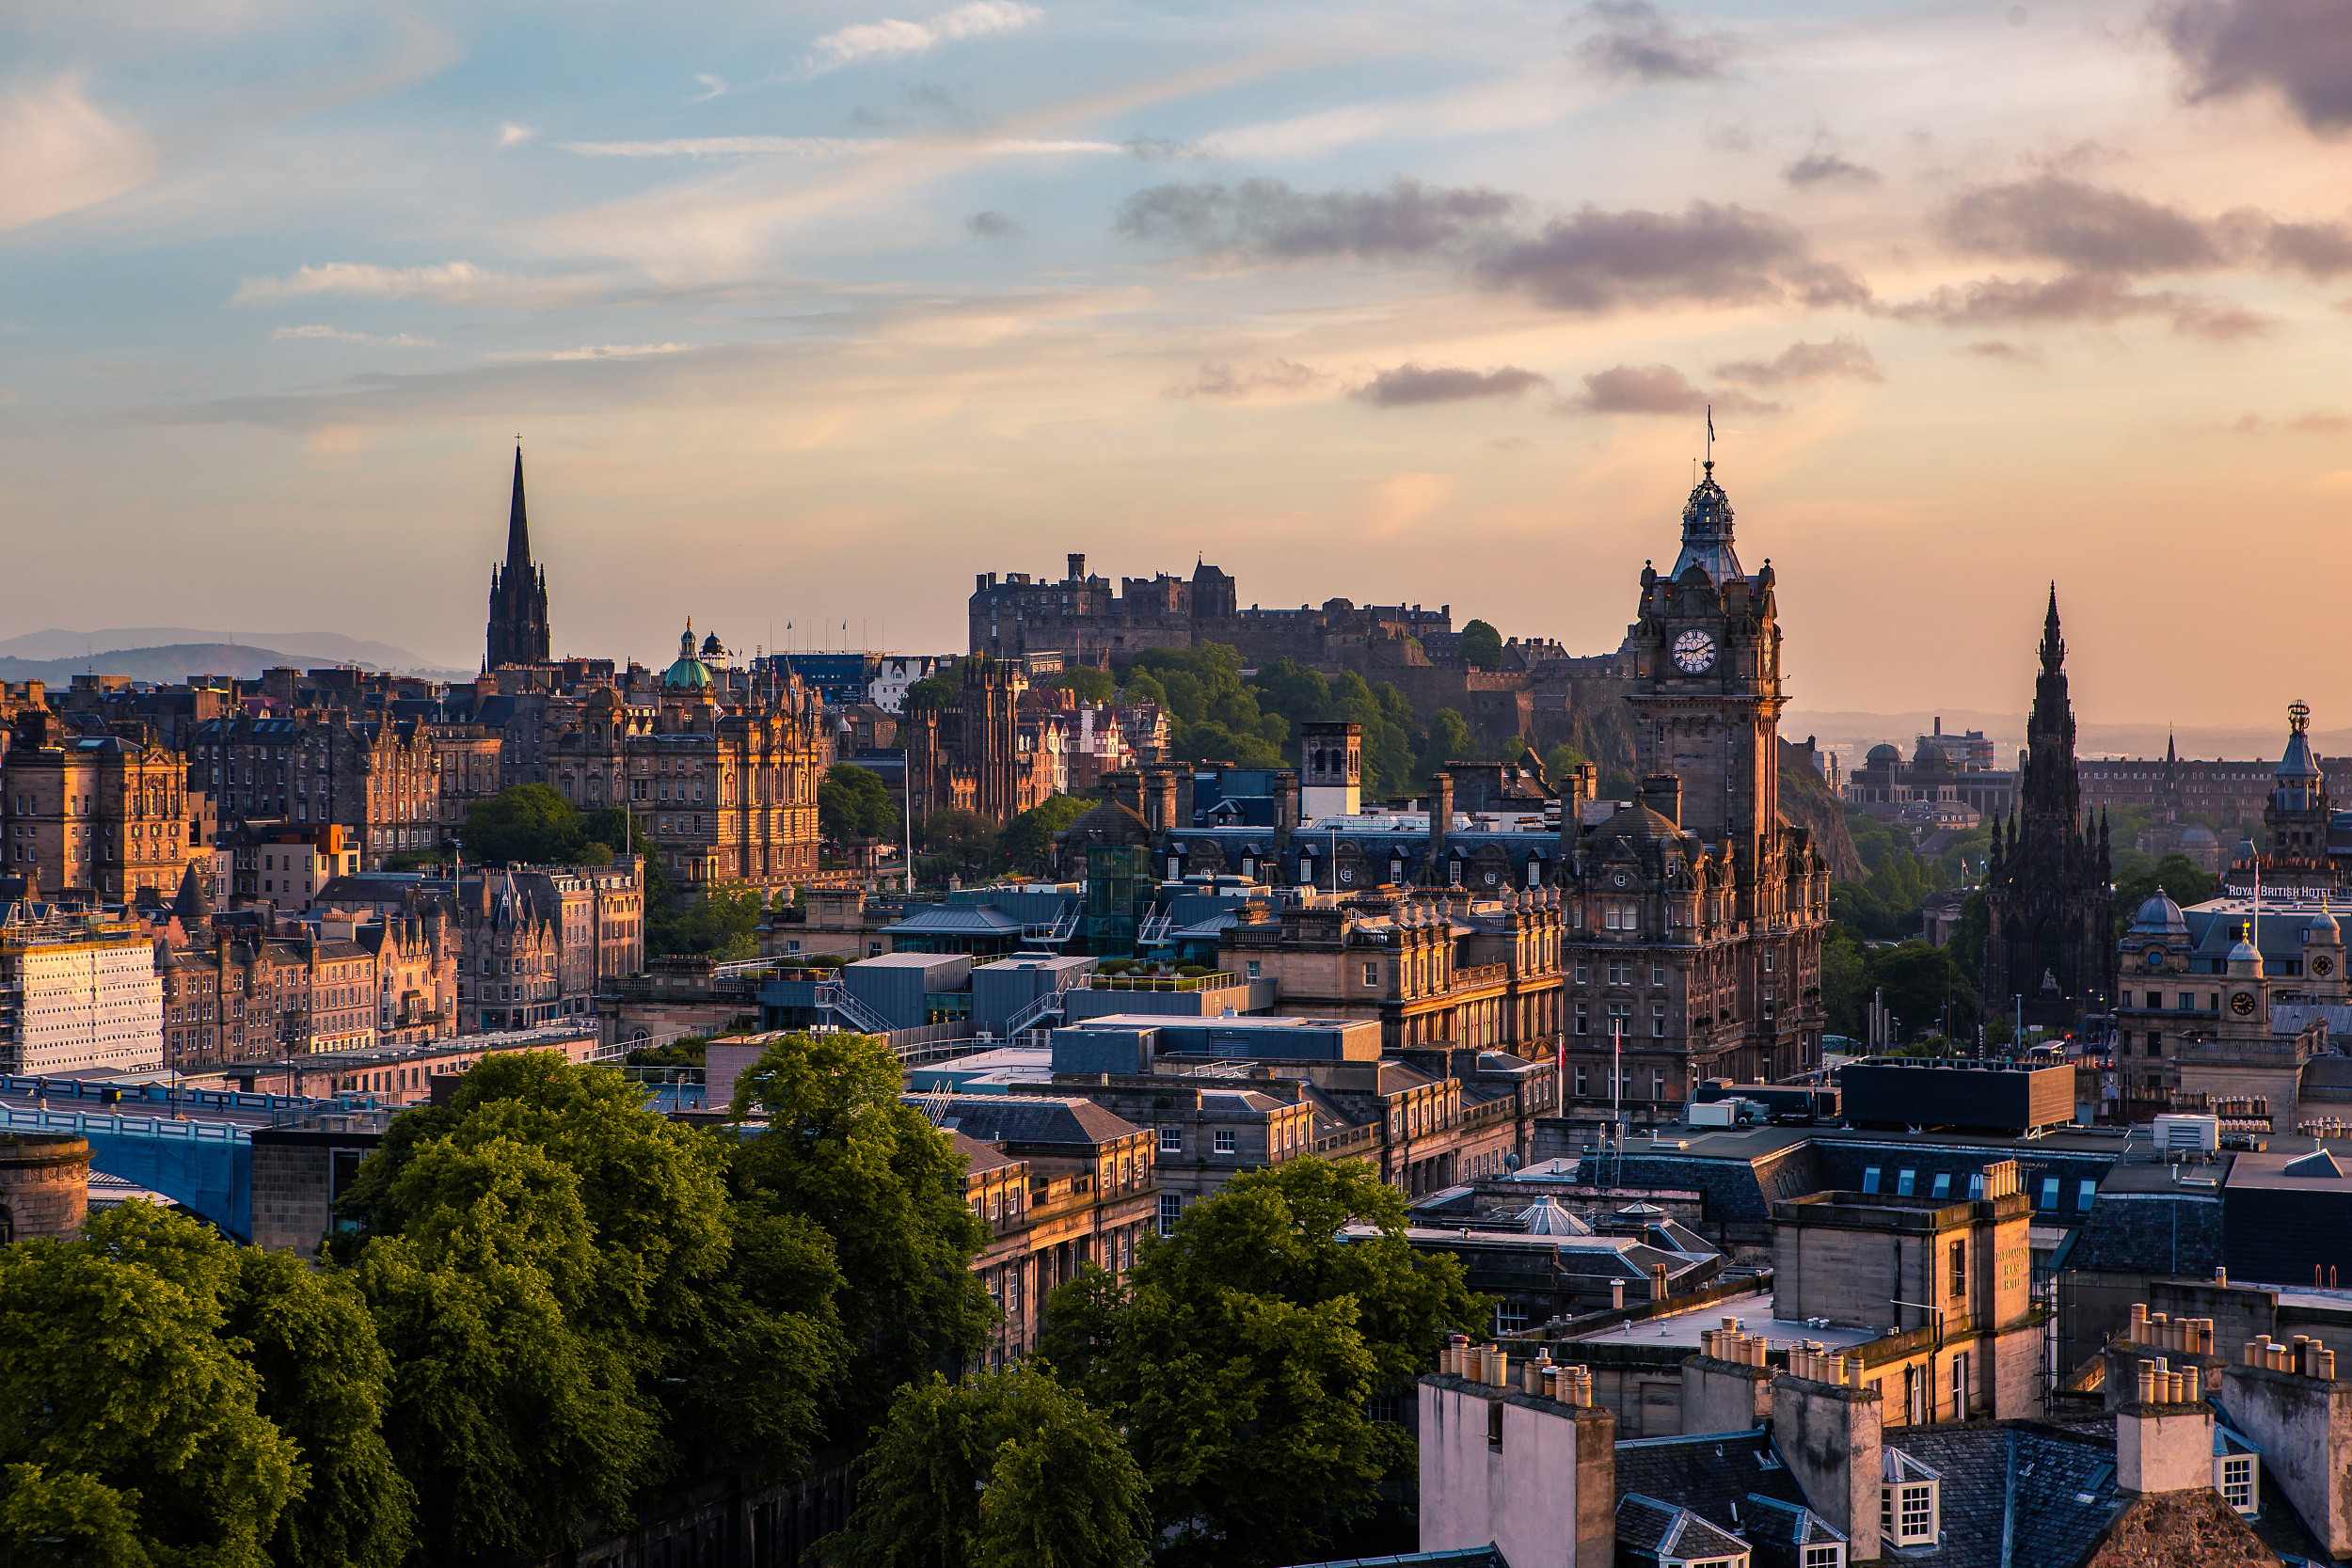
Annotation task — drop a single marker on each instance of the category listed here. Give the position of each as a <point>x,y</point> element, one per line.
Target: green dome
<point>689,673</point>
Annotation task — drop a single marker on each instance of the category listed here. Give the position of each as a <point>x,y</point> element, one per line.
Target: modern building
<point>78,995</point>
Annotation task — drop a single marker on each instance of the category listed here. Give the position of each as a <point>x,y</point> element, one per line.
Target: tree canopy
<point>2178,876</point>
<point>853,803</point>
<point>1007,1470</point>
<point>1242,1351</point>
<point>524,824</point>
<point>1027,840</point>
<point>1091,685</point>
<point>1482,646</point>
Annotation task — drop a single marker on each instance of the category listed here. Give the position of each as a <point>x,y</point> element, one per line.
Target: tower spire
<point>2052,643</point>
<point>517,527</point>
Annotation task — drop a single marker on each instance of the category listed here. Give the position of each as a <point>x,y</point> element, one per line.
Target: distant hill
<point>294,647</point>
<point>163,666</point>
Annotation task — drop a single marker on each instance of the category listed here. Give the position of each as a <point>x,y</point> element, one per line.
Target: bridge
<point>195,1146</point>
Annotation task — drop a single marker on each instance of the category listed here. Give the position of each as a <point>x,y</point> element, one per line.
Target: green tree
<point>1288,688</point>
<point>957,842</point>
<point>618,833</point>
<point>1007,1470</point>
<point>1562,761</point>
<point>1450,740</point>
<point>1141,686</point>
<point>2179,878</point>
<point>129,1418</point>
<point>1093,686</point>
<point>841,1153</point>
<point>1243,1350</point>
<point>853,803</point>
<point>1027,840</point>
<point>1482,646</point>
<point>723,924</point>
<point>525,824</point>
<point>941,688</point>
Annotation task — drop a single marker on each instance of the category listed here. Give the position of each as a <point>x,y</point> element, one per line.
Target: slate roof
<point>955,920</point>
<point>981,1158</point>
<point>1712,1474</point>
<point>2014,1492</point>
<point>1463,1556</point>
<point>1074,1124</point>
<point>1660,1529</point>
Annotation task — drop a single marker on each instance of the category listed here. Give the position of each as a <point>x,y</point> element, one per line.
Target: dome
<point>687,673</point>
<point>1929,755</point>
<point>1640,822</point>
<point>1886,753</point>
<point>712,647</point>
<point>2201,838</point>
<point>2160,917</point>
<point>2321,927</point>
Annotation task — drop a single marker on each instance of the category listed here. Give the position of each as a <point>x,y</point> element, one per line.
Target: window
<point>1830,1556</point>
<point>2049,1193</point>
<point>1584,1023</point>
<point>2156,1042</point>
<point>1658,974</point>
<point>1976,1186</point>
<point>1904,1182</point>
<point>1171,1210</point>
<point>2086,1193</point>
<point>1960,1268</point>
<point>1658,1083</point>
<point>2236,1481</point>
<point>1510,1317</point>
<point>2188,1002</point>
<point>1580,1078</point>
<point>1943,1185</point>
<point>2156,999</point>
<point>1657,1021</point>
<point>1171,1140</point>
<point>1960,1386</point>
<point>1224,1141</point>
<point>1583,973</point>
<point>1371,974</point>
<point>1870,1179</point>
<point>1254,969</point>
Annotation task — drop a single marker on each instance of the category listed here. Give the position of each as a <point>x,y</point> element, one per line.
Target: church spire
<point>517,527</point>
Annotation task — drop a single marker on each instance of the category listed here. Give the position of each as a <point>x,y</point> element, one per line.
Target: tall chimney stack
<point>1440,822</point>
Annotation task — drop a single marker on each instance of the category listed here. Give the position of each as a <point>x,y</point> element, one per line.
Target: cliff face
<point>1807,801</point>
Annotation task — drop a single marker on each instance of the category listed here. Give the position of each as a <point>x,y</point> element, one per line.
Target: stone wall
<point>44,1184</point>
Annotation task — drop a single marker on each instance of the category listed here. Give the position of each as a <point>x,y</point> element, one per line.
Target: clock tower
<point>1706,664</point>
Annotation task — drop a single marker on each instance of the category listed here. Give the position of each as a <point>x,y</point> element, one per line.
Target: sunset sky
<point>806,313</point>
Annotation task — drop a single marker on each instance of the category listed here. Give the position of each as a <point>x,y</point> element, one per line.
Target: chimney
<point>2286,1401</point>
<point>1126,789</point>
<point>1078,567</point>
<point>1830,1435</point>
<point>2163,1437</point>
<point>1285,809</point>
<point>1662,794</point>
<point>1440,822</point>
<point>1616,1295</point>
<point>1161,815</point>
<point>1658,1282</point>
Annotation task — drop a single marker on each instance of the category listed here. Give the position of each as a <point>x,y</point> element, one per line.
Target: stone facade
<point>377,777</point>
<point>44,1185</point>
<point>95,812</point>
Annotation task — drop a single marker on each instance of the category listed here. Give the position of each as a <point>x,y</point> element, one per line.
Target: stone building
<point>2049,896</point>
<point>722,776</point>
<point>377,777</point>
<point>44,1186</point>
<point>96,812</point>
<point>518,594</point>
<point>1695,918</point>
<point>985,754</point>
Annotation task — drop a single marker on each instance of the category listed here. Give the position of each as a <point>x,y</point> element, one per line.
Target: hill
<point>163,665</point>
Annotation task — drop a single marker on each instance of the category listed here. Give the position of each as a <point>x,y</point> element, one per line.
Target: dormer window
<point>1910,1500</point>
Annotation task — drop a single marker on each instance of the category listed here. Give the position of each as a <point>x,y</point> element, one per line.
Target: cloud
<point>1999,348</point>
<point>621,351</point>
<point>2076,297</point>
<point>868,41</point>
<point>510,133</point>
<point>1654,389</point>
<point>61,154</point>
<point>1634,40</point>
<point>1805,362</point>
<point>404,339</point>
<point>1822,168</point>
<point>2082,226</point>
<point>1716,255</point>
<point>2300,48</point>
<point>815,147</point>
<point>2094,230</point>
<point>713,86</point>
<point>992,226</point>
<point>453,283</point>
<point>1409,385</point>
<point>2318,421</point>
<point>1267,218</point>
<point>1223,381</point>
<point>1159,150</point>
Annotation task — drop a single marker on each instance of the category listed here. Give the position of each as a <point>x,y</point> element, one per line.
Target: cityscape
<point>1150,1076</point>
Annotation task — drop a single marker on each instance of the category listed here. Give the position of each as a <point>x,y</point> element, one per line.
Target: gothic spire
<point>517,529</point>
<point>2053,644</point>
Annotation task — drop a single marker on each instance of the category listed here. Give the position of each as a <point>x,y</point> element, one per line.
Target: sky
<point>806,313</point>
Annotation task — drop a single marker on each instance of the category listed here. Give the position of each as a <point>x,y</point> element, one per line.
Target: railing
<point>122,1126</point>
<point>836,996</point>
<point>1480,974</point>
<point>1216,981</point>
<point>218,1100</point>
<point>1051,1001</point>
<point>741,966</point>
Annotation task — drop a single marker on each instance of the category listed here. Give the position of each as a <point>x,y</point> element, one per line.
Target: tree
<point>130,1419</point>
<point>2176,876</point>
<point>853,803</point>
<point>525,824</point>
<point>1093,686</point>
<point>1007,1470</point>
<point>933,692</point>
<point>1449,741</point>
<point>1028,838</point>
<point>956,842</point>
<point>1142,687</point>
<point>723,924</point>
<point>1243,1350</point>
<point>1482,646</point>
<point>841,1153</point>
<point>619,832</point>
<point>1561,763</point>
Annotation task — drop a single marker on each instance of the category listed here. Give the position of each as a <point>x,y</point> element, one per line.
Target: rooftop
<point>1754,1311</point>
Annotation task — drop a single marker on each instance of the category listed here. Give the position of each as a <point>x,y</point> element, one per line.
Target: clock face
<point>2323,966</point>
<point>1694,651</point>
<point>2243,1004</point>
<point>2154,956</point>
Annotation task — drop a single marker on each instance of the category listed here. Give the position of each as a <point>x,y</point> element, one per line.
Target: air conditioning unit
<point>2188,1134</point>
